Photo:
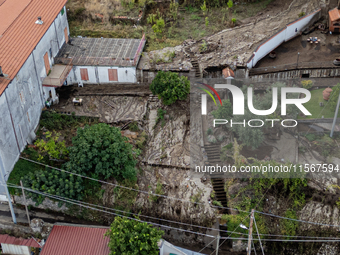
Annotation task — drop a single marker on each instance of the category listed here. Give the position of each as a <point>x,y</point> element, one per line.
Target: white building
<point>101,60</point>
<point>31,35</point>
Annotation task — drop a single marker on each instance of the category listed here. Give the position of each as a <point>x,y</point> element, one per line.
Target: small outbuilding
<point>17,246</point>
<point>334,20</point>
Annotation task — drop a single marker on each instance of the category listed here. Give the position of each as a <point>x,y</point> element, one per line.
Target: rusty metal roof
<point>76,240</point>
<point>6,239</point>
<point>20,34</point>
<point>334,14</point>
<point>99,52</point>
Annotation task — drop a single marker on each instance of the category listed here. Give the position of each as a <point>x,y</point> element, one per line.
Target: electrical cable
<point>116,185</point>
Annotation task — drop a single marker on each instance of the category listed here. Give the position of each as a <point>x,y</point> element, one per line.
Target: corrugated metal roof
<point>22,34</point>
<point>99,52</point>
<point>70,240</point>
<point>18,241</point>
<point>334,14</point>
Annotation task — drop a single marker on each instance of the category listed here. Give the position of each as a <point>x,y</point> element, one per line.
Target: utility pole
<point>218,244</point>
<point>250,237</point>
<point>23,193</point>
<point>335,116</point>
<point>2,170</point>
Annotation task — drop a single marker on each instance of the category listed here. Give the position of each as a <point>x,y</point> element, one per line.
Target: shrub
<point>133,126</point>
<point>53,148</point>
<point>206,21</point>
<point>170,87</point>
<point>307,84</point>
<point>100,151</point>
<point>54,182</point>
<point>209,131</point>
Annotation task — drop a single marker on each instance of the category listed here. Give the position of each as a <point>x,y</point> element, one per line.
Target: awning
<point>57,76</point>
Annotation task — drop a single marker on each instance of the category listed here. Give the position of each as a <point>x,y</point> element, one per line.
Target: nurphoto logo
<point>238,104</point>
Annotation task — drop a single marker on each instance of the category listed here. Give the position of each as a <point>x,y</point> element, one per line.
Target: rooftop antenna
<point>39,21</point>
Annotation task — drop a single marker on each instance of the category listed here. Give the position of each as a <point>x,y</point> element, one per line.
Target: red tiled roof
<point>334,14</point>
<point>70,240</point>
<point>18,241</point>
<point>19,38</point>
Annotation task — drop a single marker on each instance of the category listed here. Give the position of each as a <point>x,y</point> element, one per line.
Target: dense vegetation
<point>131,237</point>
<point>170,87</point>
<point>98,151</point>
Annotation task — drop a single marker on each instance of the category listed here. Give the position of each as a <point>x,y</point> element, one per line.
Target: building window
<point>113,75</point>
<point>30,86</point>
<point>66,34</point>
<point>62,11</point>
<point>84,74</point>
<point>47,63</point>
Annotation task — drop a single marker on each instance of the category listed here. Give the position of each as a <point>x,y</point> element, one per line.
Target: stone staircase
<point>213,153</point>
<point>195,65</point>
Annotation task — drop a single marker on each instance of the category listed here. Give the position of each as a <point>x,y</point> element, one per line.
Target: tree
<point>131,237</point>
<point>170,87</point>
<point>224,111</point>
<point>333,99</point>
<point>100,151</point>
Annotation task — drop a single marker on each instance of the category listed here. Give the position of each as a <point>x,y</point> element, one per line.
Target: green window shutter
<point>62,11</point>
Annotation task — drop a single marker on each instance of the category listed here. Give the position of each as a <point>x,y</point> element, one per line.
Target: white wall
<point>291,30</point>
<point>23,99</point>
<point>99,74</point>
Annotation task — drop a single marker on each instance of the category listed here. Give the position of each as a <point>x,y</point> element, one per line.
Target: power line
<point>136,214</point>
<point>116,185</point>
<point>309,222</point>
<point>79,203</point>
<point>93,208</point>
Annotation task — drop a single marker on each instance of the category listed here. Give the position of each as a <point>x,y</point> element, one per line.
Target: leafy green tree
<point>131,237</point>
<point>100,151</point>
<point>170,87</point>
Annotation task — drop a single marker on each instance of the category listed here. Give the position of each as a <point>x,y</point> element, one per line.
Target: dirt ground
<point>287,53</point>
<point>110,103</point>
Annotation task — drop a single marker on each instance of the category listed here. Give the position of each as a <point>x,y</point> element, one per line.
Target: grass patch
<point>22,168</point>
<point>313,106</point>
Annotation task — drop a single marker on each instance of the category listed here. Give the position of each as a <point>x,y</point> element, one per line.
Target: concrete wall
<point>99,74</point>
<point>290,31</point>
<point>23,99</point>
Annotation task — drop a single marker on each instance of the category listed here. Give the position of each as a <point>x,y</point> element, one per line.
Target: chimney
<point>39,21</point>
<point>1,73</point>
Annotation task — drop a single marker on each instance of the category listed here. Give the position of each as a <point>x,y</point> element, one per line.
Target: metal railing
<point>140,47</point>
<point>293,66</point>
